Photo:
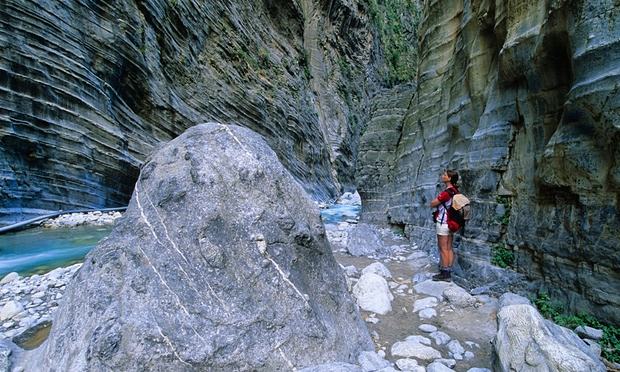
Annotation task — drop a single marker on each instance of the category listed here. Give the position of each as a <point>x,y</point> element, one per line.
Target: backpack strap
<point>452,191</point>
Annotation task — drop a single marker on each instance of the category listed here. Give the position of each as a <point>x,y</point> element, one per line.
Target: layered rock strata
<point>88,89</point>
<point>522,98</point>
<point>220,263</point>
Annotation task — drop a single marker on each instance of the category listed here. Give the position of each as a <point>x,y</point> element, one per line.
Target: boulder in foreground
<point>220,263</point>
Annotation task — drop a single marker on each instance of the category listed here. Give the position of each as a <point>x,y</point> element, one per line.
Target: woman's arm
<point>435,202</point>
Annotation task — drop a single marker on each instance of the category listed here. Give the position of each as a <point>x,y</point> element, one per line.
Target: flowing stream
<point>39,250</point>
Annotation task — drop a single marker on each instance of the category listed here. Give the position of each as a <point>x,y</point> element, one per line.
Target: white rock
<point>406,364</point>
<point>468,355</point>
<point>427,313</point>
<point>377,268</point>
<point>372,320</point>
<point>428,328</point>
<point>437,367</point>
<point>372,294</point>
<point>425,303</point>
<point>10,310</point>
<point>440,337</point>
<point>472,344</point>
<point>412,349</point>
<point>38,295</point>
<point>459,297</point>
<point>10,277</point>
<point>351,270</point>
<point>479,370</point>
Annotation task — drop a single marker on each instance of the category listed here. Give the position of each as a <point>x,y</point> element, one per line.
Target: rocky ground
<point>416,324</point>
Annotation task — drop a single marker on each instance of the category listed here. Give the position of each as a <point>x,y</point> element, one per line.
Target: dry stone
<point>220,263</point>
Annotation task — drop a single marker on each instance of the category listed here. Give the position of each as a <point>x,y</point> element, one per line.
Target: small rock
<point>455,347</point>
<point>10,310</point>
<point>419,339</point>
<point>440,338</point>
<point>38,295</point>
<point>424,303</point>
<point>10,277</point>
<point>450,363</point>
<point>437,367</point>
<point>589,332</point>
<point>377,268</point>
<point>479,370</point>
<point>406,364</point>
<point>459,297</point>
<point>428,328</point>
<point>432,288</point>
<point>427,313</point>
<point>372,320</point>
<point>468,355</point>
<point>411,349</point>
<point>351,271</point>
<point>371,361</point>
<point>372,294</point>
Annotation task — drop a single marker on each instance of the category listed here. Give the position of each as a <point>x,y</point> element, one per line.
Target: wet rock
<point>373,294</point>
<point>220,262</point>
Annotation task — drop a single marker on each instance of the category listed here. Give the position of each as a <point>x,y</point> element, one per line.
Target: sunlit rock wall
<point>523,99</point>
<point>88,88</point>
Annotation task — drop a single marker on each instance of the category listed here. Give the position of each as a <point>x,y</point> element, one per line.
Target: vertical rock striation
<point>522,98</point>
<point>87,89</point>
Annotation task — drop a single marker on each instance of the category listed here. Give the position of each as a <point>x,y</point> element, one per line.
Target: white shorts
<point>442,229</point>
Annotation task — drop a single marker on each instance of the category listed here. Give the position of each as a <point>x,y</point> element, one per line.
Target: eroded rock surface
<point>220,263</point>
<point>88,90</point>
<point>522,98</point>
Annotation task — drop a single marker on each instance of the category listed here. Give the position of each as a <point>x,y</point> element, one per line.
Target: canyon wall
<point>89,88</point>
<point>522,99</point>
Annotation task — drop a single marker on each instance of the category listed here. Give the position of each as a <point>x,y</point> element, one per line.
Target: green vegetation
<point>507,202</point>
<point>502,256</point>
<point>397,23</point>
<point>610,343</point>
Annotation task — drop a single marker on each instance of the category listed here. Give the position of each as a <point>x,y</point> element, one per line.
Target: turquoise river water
<point>39,250</point>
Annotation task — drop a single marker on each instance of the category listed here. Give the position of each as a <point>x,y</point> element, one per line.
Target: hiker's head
<point>450,175</point>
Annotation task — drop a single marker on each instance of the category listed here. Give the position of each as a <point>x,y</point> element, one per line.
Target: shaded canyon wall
<point>89,88</point>
<point>523,99</point>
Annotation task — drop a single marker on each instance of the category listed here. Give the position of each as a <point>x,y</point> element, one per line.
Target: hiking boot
<point>443,276</point>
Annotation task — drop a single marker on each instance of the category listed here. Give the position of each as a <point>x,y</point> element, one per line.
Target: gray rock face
<point>76,123</point>
<point>521,98</point>
<point>220,263</point>
<point>525,341</point>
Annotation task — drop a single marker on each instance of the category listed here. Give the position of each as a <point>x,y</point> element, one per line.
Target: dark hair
<point>454,176</point>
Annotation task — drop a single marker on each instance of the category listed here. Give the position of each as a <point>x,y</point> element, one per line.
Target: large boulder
<point>220,263</point>
<point>527,342</point>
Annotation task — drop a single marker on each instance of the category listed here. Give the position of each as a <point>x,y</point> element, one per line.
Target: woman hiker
<point>444,236</point>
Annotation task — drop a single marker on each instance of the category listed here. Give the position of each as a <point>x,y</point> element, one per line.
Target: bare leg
<point>445,251</point>
<point>449,247</point>
<point>439,251</point>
